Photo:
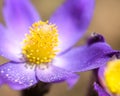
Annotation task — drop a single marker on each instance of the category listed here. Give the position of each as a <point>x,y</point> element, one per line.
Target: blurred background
<point>106,20</point>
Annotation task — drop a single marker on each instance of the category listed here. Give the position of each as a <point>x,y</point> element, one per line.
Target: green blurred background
<point>106,20</point>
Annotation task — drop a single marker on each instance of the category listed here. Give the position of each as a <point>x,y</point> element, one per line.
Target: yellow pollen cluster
<point>112,76</point>
<point>40,45</point>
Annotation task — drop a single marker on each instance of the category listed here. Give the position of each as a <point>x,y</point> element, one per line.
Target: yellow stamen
<point>112,76</point>
<point>40,44</point>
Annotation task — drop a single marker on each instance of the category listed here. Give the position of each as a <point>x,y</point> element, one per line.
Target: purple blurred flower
<point>108,78</point>
<point>72,19</point>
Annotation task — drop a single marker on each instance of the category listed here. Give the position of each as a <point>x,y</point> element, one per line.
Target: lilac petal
<point>19,15</point>
<point>101,72</point>
<point>100,90</point>
<point>72,81</point>
<point>72,19</point>
<point>9,47</point>
<point>85,58</point>
<point>53,74</point>
<point>18,76</point>
<point>100,77</point>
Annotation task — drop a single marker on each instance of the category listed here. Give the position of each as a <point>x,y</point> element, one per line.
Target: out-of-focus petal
<point>17,76</point>
<point>19,15</point>
<point>9,47</point>
<point>1,81</point>
<point>100,90</point>
<point>85,58</point>
<point>72,19</point>
<point>101,77</point>
<point>53,74</point>
<point>101,72</point>
<point>72,81</point>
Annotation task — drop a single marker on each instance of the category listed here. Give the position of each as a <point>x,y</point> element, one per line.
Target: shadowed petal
<point>95,38</point>
<point>100,90</point>
<point>53,74</point>
<point>17,76</point>
<point>85,58</point>
<point>9,47</point>
<point>19,15</point>
<point>72,19</point>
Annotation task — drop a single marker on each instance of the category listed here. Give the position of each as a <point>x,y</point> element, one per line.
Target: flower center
<point>40,44</point>
<point>112,76</point>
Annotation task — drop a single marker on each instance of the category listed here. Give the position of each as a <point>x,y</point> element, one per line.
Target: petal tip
<point>72,81</point>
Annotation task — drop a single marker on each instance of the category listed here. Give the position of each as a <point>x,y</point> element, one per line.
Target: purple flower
<point>46,52</point>
<point>108,76</point>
